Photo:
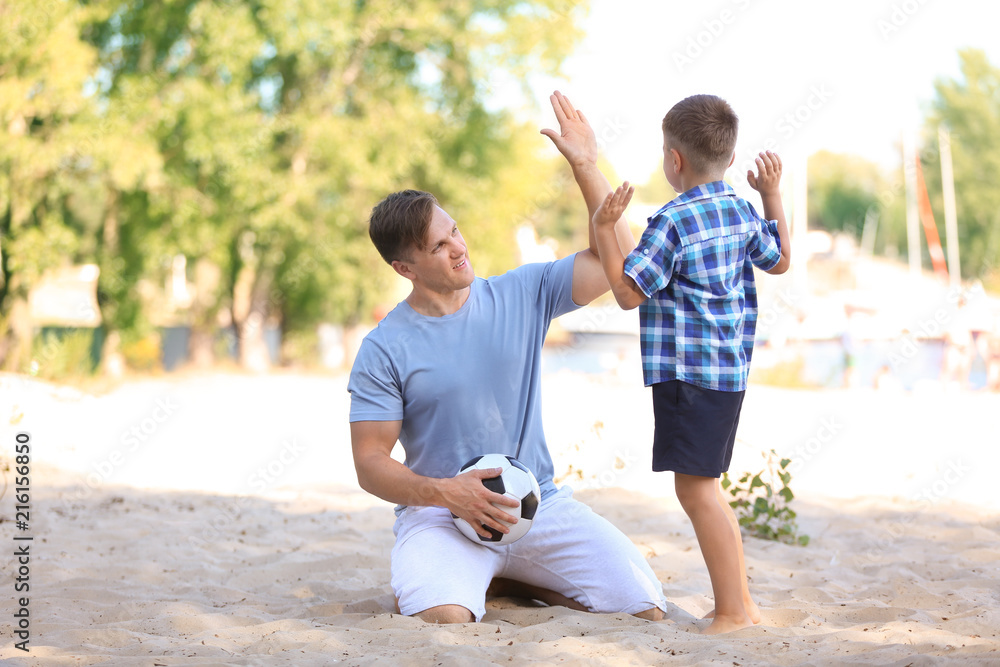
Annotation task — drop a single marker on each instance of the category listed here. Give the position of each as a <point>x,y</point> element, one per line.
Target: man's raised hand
<point>576,139</point>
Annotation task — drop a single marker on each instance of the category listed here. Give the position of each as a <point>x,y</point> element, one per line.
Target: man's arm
<point>766,182</point>
<point>578,144</point>
<point>383,476</point>
<point>627,293</point>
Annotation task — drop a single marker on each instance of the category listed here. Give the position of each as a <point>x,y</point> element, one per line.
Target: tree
<point>970,108</point>
<point>252,139</point>
<point>842,188</point>
<point>281,122</point>
<point>46,116</point>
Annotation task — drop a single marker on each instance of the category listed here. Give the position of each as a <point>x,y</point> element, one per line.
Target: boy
<point>692,277</point>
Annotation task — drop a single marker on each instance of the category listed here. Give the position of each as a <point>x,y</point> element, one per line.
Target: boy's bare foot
<point>751,608</point>
<point>727,624</point>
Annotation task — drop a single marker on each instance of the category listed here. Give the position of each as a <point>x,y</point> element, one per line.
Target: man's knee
<point>446,613</point>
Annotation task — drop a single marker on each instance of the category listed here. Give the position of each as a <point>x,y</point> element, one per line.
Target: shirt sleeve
<point>653,262</point>
<point>764,248</point>
<point>552,282</point>
<point>376,394</point>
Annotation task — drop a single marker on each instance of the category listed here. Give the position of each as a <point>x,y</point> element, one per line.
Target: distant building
<point>66,297</point>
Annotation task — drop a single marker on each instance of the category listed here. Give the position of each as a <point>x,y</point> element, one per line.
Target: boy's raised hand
<point>768,175</point>
<point>614,205</point>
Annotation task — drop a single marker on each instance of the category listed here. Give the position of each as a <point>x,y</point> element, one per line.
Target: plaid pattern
<point>695,264</point>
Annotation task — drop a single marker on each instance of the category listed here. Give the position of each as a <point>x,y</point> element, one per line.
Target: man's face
<point>443,265</point>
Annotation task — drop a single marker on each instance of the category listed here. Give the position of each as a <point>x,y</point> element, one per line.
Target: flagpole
<point>912,210</point>
<point>950,213</point>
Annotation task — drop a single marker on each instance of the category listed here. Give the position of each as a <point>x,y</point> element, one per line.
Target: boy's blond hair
<point>703,129</point>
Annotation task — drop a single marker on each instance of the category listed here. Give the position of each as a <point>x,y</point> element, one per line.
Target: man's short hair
<point>704,128</point>
<point>398,224</point>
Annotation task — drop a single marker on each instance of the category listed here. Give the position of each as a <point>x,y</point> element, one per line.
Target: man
<point>453,372</point>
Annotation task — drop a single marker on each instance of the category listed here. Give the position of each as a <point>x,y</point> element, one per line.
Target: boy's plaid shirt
<point>694,263</point>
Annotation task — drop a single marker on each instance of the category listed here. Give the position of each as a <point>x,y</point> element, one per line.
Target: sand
<point>216,520</point>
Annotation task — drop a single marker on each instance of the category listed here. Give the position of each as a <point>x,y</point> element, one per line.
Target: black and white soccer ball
<point>515,481</point>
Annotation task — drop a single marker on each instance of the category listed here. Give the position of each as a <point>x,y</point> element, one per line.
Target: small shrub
<point>761,507</point>
<point>62,354</point>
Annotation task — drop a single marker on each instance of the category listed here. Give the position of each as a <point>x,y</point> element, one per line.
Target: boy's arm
<point>766,182</point>
<point>627,293</point>
<point>578,144</point>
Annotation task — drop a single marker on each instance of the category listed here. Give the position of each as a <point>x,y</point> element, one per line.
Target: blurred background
<point>186,184</point>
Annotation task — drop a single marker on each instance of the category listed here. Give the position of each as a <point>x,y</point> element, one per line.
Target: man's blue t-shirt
<point>468,383</point>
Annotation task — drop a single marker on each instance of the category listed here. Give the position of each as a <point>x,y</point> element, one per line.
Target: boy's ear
<point>731,160</point>
<point>678,159</point>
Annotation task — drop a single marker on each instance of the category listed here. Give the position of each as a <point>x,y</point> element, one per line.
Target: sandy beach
<point>216,520</point>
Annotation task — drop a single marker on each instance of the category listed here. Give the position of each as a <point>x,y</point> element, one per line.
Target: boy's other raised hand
<point>614,205</point>
<point>768,175</point>
<point>575,139</point>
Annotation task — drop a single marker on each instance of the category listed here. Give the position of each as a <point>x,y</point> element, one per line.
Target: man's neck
<point>435,304</point>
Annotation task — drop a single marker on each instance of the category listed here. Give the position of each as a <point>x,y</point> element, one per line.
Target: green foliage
<point>253,139</point>
<point>44,69</point>
<point>61,355</point>
<point>761,507</point>
<point>300,349</point>
<point>841,190</point>
<point>970,108</point>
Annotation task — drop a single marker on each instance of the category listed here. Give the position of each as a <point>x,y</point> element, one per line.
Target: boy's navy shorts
<point>695,428</point>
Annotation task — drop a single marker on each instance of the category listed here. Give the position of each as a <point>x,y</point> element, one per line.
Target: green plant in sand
<point>761,507</point>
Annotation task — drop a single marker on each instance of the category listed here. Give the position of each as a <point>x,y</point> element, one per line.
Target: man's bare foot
<point>727,624</point>
<point>751,608</point>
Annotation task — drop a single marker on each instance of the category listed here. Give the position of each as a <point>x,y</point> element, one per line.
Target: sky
<point>802,75</point>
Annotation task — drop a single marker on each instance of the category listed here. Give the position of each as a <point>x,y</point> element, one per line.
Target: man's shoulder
<point>398,320</point>
<point>530,275</point>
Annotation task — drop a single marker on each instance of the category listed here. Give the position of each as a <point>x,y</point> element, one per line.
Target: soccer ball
<point>515,481</point>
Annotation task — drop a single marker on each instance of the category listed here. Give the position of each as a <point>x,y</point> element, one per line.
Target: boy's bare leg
<point>753,611</point>
<point>719,546</point>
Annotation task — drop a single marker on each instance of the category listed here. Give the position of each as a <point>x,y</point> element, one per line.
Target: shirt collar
<point>703,191</point>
